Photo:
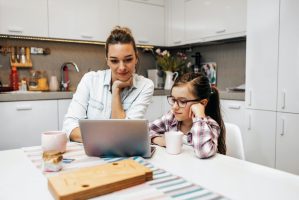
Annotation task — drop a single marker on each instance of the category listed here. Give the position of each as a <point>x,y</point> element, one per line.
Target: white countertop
<point>233,178</point>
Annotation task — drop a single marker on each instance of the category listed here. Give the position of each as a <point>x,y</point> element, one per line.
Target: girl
<point>195,112</point>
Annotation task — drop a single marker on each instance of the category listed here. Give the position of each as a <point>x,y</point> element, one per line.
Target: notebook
<point>115,137</point>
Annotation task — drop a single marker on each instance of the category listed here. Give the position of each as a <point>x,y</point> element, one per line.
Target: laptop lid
<point>115,137</point>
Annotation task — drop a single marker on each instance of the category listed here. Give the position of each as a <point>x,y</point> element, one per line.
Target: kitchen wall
<point>229,56</point>
<point>86,56</point>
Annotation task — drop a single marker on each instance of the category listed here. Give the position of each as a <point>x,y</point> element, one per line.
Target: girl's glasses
<point>181,103</point>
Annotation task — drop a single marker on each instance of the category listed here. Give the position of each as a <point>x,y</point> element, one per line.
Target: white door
<point>63,105</point>
<point>259,138</point>
<point>29,18</point>
<point>288,76</point>
<point>145,20</point>
<point>214,18</point>
<point>82,20</point>
<point>262,54</point>
<point>287,148</point>
<point>23,122</point>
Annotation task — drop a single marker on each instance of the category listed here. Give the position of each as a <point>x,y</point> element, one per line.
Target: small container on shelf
<point>20,57</point>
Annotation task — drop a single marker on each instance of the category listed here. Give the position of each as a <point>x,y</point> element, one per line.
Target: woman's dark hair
<point>202,89</point>
<point>120,35</point>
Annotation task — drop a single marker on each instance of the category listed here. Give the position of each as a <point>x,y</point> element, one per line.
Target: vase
<point>170,78</point>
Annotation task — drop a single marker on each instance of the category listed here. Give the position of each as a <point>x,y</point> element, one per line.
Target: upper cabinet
<point>262,54</point>
<point>81,20</point>
<point>207,20</point>
<point>288,82</point>
<point>146,20</point>
<point>175,26</point>
<point>28,18</point>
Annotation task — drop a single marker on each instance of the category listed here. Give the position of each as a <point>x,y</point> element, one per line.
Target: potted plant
<point>171,65</point>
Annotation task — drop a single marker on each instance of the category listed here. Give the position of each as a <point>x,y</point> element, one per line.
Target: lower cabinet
<point>156,109</point>
<point>234,112</point>
<point>259,138</point>
<point>23,122</point>
<point>287,137</point>
<point>63,105</point>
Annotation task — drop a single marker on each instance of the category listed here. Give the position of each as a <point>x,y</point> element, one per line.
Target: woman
<point>115,93</point>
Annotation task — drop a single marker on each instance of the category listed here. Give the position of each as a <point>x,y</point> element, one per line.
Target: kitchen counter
<point>233,178</point>
<point>32,96</point>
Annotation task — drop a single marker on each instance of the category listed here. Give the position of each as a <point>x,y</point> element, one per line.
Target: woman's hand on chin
<point>122,84</point>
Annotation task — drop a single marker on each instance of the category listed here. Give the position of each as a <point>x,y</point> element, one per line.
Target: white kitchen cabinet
<point>176,24</point>
<point>154,2</point>
<point>81,20</point>
<point>259,138</point>
<point>28,18</point>
<point>63,105</point>
<point>262,54</point>
<point>214,19</point>
<point>23,122</point>
<point>145,20</point>
<point>287,148</point>
<point>288,76</point>
<point>234,112</point>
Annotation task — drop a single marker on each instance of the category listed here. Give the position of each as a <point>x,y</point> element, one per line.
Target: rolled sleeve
<point>78,107</point>
<point>205,133</point>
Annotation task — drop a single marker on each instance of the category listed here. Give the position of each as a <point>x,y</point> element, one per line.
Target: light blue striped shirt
<point>93,98</point>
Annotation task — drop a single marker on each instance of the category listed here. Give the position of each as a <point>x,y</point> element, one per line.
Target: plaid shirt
<point>203,135</point>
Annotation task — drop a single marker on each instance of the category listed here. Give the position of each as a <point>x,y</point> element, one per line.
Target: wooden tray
<point>98,180</point>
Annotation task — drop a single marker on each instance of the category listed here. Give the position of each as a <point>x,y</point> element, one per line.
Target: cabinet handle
<point>15,30</point>
<point>143,41</point>
<point>86,36</point>
<point>282,127</point>
<point>221,31</point>
<point>249,122</point>
<point>249,98</point>
<point>283,100</point>
<point>24,107</point>
<point>177,42</point>
<point>237,107</point>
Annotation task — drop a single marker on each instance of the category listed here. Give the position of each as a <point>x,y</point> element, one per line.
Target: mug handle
<point>175,75</point>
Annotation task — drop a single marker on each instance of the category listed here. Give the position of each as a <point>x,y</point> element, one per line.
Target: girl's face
<point>122,60</point>
<point>182,93</point>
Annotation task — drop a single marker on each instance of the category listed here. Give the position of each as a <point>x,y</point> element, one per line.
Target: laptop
<point>115,137</point>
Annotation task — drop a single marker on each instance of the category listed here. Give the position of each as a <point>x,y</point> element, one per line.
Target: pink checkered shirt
<point>203,135</point>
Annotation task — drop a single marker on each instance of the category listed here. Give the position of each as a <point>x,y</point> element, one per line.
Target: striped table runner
<point>163,186</point>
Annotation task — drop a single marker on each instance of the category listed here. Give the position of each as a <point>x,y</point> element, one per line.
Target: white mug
<point>174,142</point>
<point>54,141</point>
<point>53,86</point>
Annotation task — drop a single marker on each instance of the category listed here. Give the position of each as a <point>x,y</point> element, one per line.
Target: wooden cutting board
<point>98,180</point>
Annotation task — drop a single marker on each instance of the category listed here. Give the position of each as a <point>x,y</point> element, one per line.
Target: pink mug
<point>54,141</point>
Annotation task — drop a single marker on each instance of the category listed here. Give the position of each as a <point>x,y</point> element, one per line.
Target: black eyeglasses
<point>181,103</point>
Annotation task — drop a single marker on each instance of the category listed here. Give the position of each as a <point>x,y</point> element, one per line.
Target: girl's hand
<point>197,110</point>
<point>122,84</point>
<point>159,141</point>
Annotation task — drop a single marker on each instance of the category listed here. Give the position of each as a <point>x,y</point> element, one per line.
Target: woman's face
<point>182,93</point>
<point>122,60</point>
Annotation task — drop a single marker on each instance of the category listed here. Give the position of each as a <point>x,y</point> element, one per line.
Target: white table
<point>233,178</point>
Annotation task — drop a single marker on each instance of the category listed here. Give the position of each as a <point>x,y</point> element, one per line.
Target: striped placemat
<point>163,186</point>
